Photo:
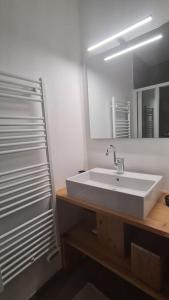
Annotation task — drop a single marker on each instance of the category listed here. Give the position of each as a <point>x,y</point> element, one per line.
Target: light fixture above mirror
<point>136,46</point>
<point>121,33</point>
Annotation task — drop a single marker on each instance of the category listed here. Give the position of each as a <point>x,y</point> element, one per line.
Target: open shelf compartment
<point>83,240</point>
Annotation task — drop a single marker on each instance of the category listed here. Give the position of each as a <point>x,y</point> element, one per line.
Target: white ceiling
<point>102,18</point>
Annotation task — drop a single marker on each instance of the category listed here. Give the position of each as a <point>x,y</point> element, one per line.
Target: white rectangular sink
<point>131,193</point>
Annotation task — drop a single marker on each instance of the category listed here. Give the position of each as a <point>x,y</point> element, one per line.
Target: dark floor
<point>64,286</point>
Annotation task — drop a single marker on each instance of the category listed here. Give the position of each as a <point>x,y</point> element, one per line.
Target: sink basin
<point>131,193</point>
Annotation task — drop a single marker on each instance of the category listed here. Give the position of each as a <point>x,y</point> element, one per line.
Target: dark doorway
<point>164,112</point>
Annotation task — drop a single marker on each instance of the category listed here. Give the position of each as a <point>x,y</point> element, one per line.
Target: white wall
<point>99,19</point>
<point>41,38</point>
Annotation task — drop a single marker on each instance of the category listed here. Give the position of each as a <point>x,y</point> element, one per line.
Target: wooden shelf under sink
<point>88,244</point>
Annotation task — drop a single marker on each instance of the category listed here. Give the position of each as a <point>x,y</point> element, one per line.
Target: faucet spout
<point>118,162</point>
<point>112,147</point>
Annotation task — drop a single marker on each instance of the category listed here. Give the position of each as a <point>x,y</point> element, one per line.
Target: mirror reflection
<point>129,94</point>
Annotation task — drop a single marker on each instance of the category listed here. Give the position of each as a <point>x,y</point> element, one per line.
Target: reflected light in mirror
<point>136,46</point>
<point>121,33</point>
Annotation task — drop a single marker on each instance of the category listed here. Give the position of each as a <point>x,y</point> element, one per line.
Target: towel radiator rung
<point>23,181</point>
<point>19,265</point>
<point>22,91</point>
<point>47,241</point>
<point>42,235</point>
<point>21,150</point>
<point>19,137</point>
<point>25,193</point>
<point>8,96</point>
<point>22,78</point>
<point>27,235</point>
<point>23,169</point>
<point>24,206</point>
<point>121,119</point>
<point>23,200</point>
<point>2,117</point>
<point>24,175</point>
<point>22,124</point>
<point>29,86</point>
<point>21,130</point>
<point>25,187</point>
<point>22,143</point>
<point>27,265</point>
<point>26,248</point>
<point>44,216</point>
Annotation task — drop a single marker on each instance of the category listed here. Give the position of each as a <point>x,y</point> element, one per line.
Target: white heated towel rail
<point>148,122</point>
<point>22,246</point>
<point>21,188</point>
<point>121,119</point>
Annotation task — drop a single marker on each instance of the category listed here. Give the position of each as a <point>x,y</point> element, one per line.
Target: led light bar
<point>121,33</point>
<point>139,45</point>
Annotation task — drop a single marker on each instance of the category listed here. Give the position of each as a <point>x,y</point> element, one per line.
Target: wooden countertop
<point>156,222</point>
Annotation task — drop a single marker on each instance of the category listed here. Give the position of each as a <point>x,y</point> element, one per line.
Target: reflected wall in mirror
<point>129,95</point>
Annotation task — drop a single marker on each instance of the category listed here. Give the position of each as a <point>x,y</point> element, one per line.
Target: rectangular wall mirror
<point>129,95</point>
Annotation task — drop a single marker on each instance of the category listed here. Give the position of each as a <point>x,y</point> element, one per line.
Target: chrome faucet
<point>118,161</point>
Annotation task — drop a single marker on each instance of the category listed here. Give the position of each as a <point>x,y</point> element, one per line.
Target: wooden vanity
<point>113,251</point>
